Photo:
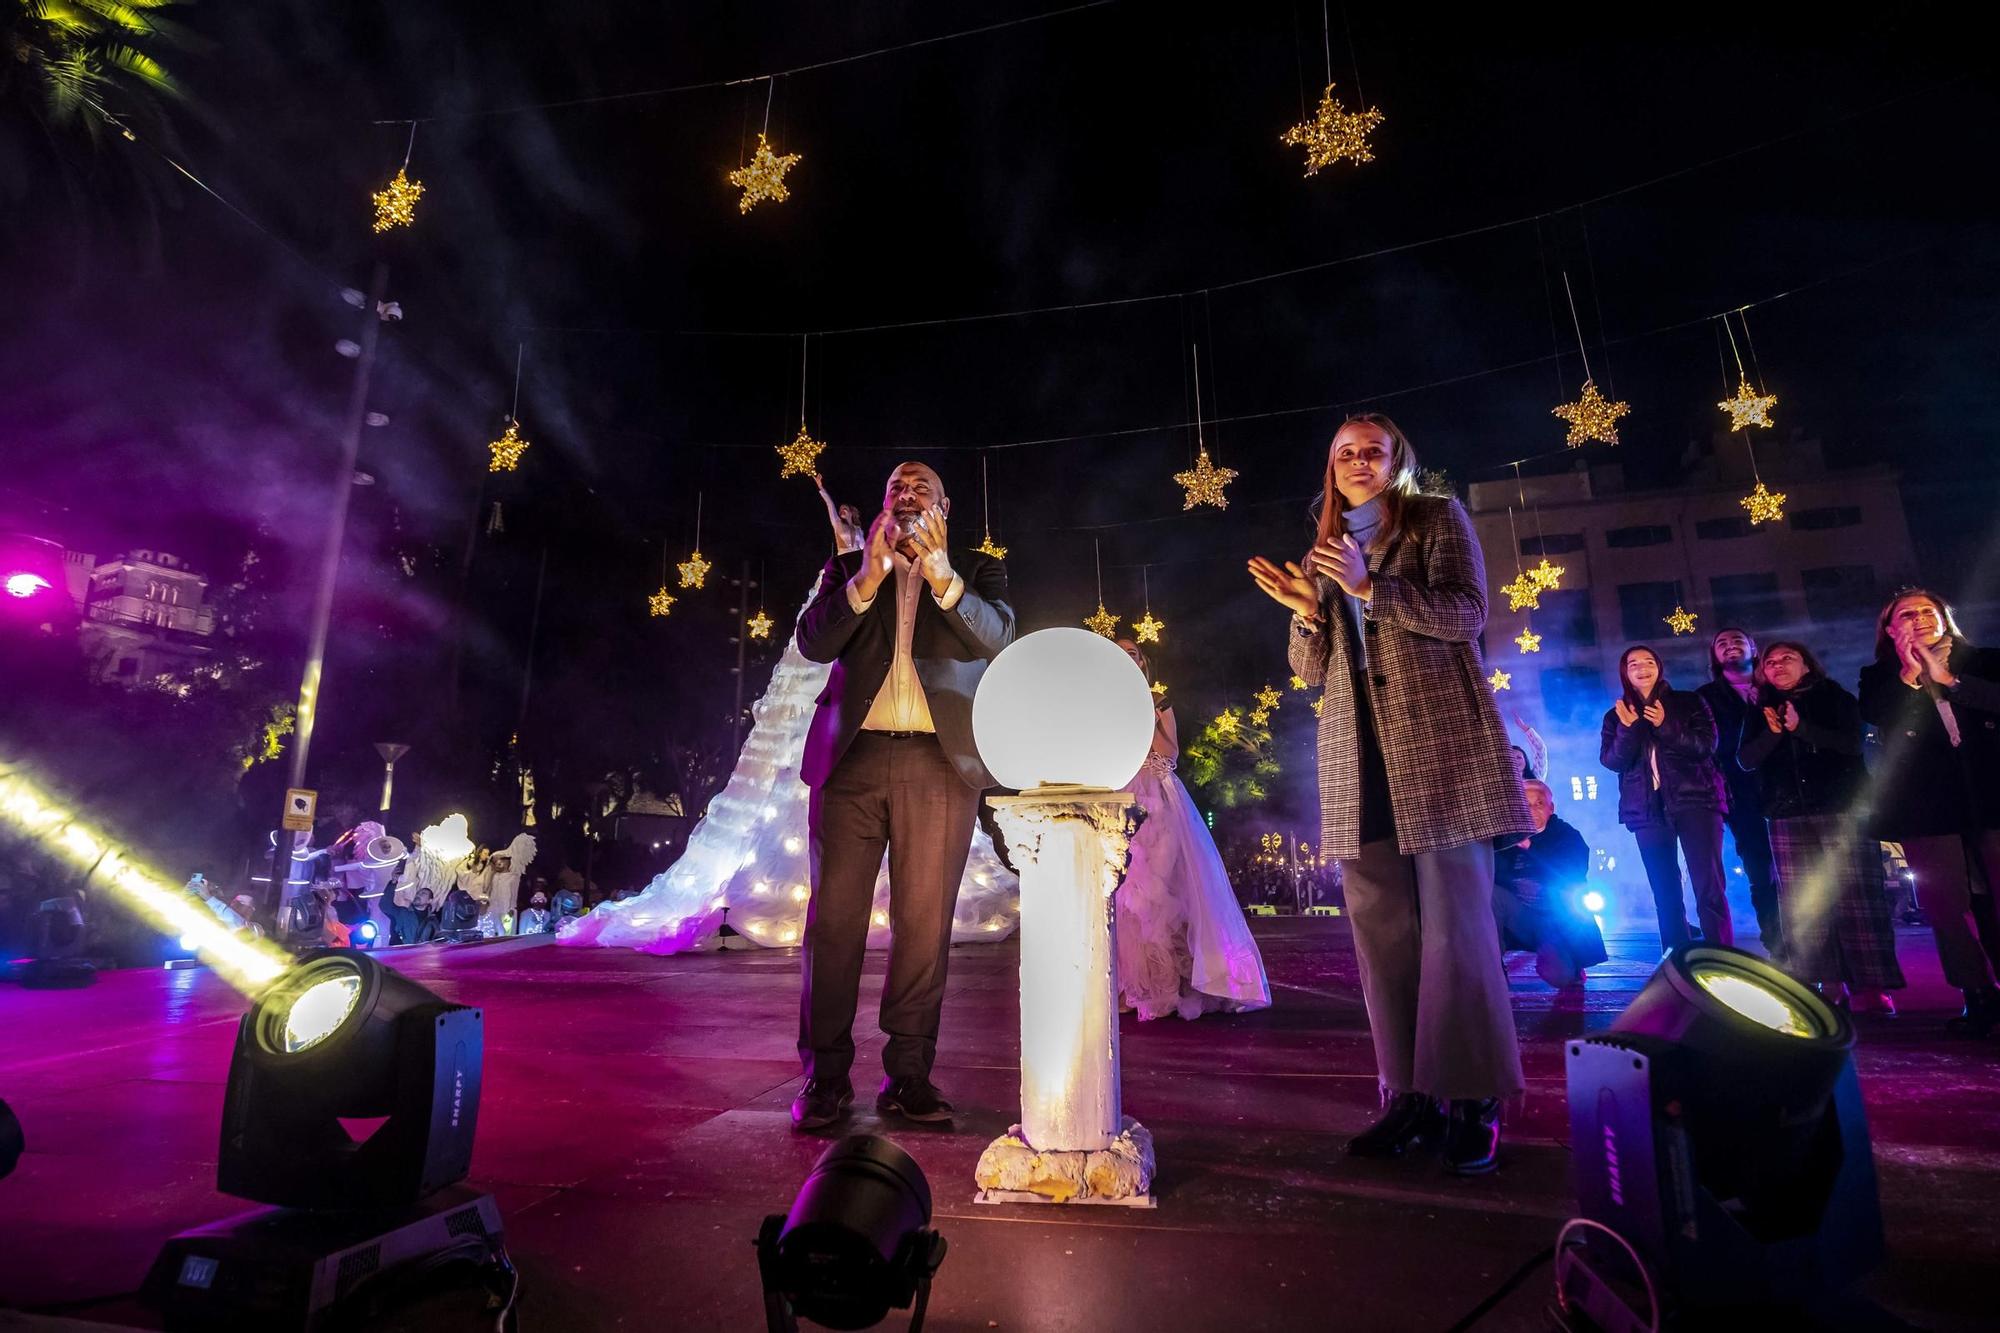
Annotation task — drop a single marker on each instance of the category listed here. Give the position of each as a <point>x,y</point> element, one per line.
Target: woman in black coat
<point>1934,701</point>
<point>1802,742</point>
<point>1661,743</point>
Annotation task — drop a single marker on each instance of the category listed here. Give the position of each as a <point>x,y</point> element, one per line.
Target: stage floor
<point>634,1130</point>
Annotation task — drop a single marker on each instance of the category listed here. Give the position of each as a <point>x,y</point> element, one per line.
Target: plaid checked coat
<point>1452,779</point>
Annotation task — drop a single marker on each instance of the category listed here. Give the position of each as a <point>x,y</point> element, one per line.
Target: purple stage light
<point>23,584</point>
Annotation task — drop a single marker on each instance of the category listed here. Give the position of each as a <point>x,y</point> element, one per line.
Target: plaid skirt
<point>1832,905</point>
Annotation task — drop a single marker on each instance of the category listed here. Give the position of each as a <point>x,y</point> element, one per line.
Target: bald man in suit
<point>909,626</point>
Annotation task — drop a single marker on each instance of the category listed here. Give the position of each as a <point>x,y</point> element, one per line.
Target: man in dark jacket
<point>909,627</point>
<point>1732,658</point>
<point>1537,890</point>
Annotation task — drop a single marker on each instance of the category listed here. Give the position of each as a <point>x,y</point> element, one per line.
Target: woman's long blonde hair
<point>1402,486</point>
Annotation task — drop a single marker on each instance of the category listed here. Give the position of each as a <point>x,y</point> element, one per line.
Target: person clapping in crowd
<point>1537,886</point>
<point>1803,744</point>
<point>1729,694</point>
<point>1934,700</point>
<point>1661,743</point>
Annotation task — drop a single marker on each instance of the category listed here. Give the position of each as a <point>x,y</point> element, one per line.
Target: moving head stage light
<point>1720,1144</point>
<point>338,1038</point>
<point>856,1242</point>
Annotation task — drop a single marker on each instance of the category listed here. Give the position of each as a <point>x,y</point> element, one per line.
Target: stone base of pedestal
<point>1012,1170</point>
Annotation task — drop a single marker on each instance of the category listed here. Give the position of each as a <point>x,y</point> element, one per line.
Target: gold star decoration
<point>396,203</point>
<point>764,178</point>
<point>1299,683</point>
<point>1225,724</point>
<point>1681,621</point>
<point>798,456</point>
<point>1500,680</point>
<point>1259,716</point>
<point>1528,641</point>
<point>662,602</point>
<point>760,625</point>
<point>1159,689</point>
<point>1319,705</point>
<point>1147,629</point>
<point>693,570</point>
<point>1102,623</point>
<point>1592,417</point>
<point>1546,576</point>
<point>1523,594</point>
<point>1333,133</point>
<point>507,450</point>
<point>1268,697</point>
<point>1204,482</point>
<point>1765,506</point>
<point>992,548</point>
<point>1748,409</point>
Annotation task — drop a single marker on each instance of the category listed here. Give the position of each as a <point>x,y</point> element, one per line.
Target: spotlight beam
<point>247,964</point>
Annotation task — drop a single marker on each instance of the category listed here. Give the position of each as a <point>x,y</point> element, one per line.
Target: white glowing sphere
<point>450,839</point>
<point>1063,707</point>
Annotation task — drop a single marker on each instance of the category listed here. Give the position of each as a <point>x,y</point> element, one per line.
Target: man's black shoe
<point>1980,1016</point>
<point>1472,1140</point>
<point>821,1102</point>
<point>913,1099</point>
<point>1410,1117</point>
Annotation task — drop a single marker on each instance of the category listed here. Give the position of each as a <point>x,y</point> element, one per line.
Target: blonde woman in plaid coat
<point>1416,782</point>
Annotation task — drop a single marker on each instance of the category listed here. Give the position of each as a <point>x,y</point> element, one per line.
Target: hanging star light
<point>1546,576</point>
<point>1592,417</point>
<point>1681,621</point>
<point>662,602</point>
<point>760,625</point>
<point>507,450</point>
<point>1765,506</point>
<point>992,548</point>
<point>396,203</point>
<point>693,570</point>
<point>1500,680</point>
<point>1204,482</point>
<point>1528,641</point>
<point>1147,629</point>
<point>1259,716</point>
<point>798,456</point>
<point>1102,623</point>
<point>764,178</point>
<point>1268,697</point>
<point>1523,594</point>
<point>1225,724</point>
<point>1747,409</point>
<point>1300,683</point>
<point>1159,689</point>
<point>1319,706</point>
<point>1333,133</point>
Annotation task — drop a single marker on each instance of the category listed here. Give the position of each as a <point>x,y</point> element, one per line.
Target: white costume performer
<point>1183,945</point>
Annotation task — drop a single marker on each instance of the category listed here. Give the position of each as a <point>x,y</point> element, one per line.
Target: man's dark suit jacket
<point>950,650</point>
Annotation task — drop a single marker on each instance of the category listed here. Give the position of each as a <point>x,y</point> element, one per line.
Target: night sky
<point>169,380</point>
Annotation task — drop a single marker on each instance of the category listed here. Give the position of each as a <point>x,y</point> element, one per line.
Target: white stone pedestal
<point>1073,1144</point>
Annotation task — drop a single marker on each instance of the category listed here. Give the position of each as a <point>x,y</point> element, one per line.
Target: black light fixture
<point>1721,1147</point>
<point>856,1243</point>
<point>338,1038</point>
<point>12,1142</point>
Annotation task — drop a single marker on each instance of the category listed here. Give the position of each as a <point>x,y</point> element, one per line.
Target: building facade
<point>145,618</point>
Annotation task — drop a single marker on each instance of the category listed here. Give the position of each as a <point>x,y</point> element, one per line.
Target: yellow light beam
<point>247,964</point>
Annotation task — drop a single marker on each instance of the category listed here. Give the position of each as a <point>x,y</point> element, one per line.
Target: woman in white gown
<point>1183,945</point>
<point>746,861</point>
